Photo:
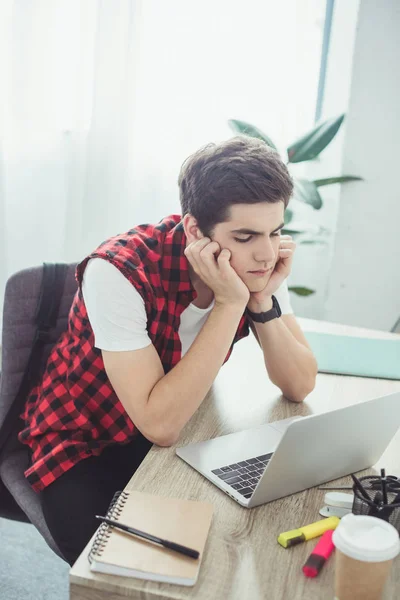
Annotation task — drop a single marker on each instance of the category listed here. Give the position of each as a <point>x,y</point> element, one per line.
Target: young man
<point>156,314</point>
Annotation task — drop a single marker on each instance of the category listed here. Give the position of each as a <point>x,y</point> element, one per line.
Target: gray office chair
<point>24,293</point>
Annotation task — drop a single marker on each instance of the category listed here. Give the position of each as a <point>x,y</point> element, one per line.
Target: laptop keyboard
<point>243,476</point>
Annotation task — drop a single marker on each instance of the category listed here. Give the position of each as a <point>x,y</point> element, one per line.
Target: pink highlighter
<point>319,555</point>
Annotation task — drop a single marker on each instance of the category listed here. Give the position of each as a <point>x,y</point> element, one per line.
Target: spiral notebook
<point>185,522</point>
<point>359,356</point>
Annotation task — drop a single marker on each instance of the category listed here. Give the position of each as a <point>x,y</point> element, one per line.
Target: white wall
<point>364,280</point>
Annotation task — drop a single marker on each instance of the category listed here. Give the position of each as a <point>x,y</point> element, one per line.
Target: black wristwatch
<point>263,317</point>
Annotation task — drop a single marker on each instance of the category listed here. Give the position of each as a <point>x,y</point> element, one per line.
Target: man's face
<point>252,234</point>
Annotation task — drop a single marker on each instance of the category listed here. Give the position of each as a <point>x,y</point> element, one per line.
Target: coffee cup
<point>365,549</point>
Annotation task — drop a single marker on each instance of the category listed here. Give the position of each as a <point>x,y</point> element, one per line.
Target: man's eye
<point>242,241</point>
<point>276,233</point>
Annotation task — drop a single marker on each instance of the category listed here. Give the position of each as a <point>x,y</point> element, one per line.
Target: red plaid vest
<point>73,412</point>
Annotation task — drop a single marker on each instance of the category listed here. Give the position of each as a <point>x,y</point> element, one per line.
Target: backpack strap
<point>51,291</point>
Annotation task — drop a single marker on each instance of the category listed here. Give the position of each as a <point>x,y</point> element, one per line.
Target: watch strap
<point>263,317</point>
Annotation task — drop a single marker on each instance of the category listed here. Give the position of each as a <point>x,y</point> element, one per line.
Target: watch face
<point>276,306</point>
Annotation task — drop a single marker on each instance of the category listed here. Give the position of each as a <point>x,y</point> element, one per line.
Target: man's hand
<point>262,301</point>
<point>212,265</point>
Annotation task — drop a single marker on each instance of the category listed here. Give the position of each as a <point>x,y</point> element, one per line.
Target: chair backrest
<point>22,294</point>
<point>20,306</point>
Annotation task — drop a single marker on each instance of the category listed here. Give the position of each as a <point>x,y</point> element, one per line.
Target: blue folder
<point>349,355</point>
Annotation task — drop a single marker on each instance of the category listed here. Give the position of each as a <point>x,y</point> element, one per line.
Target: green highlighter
<point>297,536</point>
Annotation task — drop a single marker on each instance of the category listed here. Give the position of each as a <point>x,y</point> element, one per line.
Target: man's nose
<point>265,253</point>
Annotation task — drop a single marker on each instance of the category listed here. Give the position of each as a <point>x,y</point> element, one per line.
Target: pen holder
<point>374,506</point>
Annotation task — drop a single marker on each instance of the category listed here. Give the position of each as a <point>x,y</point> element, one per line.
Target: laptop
<point>277,459</point>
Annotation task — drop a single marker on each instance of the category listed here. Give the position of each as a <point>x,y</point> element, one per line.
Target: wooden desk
<point>242,559</point>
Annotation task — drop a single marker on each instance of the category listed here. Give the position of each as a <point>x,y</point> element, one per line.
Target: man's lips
<point>261,271</point>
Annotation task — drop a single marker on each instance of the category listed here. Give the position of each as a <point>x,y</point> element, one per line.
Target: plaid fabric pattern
<point>74,412</point>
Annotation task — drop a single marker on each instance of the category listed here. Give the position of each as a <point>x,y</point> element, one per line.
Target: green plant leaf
<point>288,215</point>
<point>311,241</point>
<point>301,291</point>
<point>247,129</point>
<point>340,179</point>
<point>301,227</point>
<point>293,230</point>
<point>310,145</point>
<point>307,192</point>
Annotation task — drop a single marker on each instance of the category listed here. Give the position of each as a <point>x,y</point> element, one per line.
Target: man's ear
<point>191,228</point>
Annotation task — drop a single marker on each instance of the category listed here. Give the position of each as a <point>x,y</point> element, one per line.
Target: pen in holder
<point>378,497</point>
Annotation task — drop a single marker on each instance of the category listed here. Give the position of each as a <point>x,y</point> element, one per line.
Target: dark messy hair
<point>240,170</point>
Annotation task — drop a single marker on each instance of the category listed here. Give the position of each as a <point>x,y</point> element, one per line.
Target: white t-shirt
<point>119,319</point>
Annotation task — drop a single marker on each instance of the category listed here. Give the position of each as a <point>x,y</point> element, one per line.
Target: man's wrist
<point>267,315</point>
<point>233,309</point>
<point>256,307</point>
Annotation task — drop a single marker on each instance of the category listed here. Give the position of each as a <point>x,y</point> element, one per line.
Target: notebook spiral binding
<point>114,510</point>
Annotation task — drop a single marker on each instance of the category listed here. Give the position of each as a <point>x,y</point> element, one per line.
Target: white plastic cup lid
<point>366,538</point>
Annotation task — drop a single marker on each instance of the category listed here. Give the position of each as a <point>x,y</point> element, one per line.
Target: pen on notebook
<point>152,538</point>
